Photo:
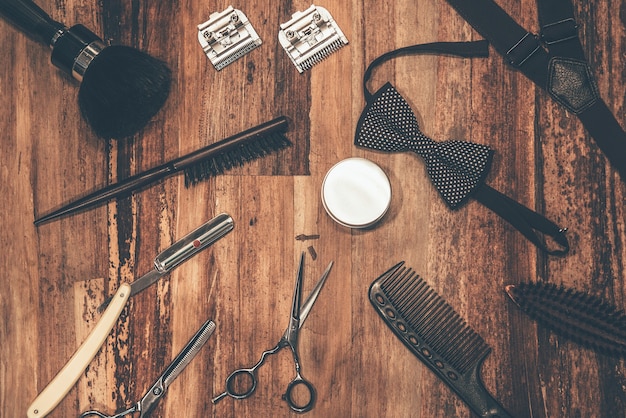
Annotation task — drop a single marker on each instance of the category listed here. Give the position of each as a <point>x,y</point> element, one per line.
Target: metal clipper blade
<point>227,36</point>
<point>310,36</point>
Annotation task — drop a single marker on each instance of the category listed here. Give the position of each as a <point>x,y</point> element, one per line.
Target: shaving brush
<point>121,88</point>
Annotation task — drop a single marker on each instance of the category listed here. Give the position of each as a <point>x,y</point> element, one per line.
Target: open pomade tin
<point>356,193</point>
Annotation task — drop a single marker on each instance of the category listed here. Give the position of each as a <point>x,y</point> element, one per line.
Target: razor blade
<point>310,36</point>
<point>227,36</point>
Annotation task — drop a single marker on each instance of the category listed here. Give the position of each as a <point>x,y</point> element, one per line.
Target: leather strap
<point>554,61</point>
<point>535,227</point>
<point>460,49</point>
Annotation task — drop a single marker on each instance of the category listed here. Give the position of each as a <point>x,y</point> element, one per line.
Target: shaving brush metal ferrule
<point>74,49</point>
<point>121,88</point>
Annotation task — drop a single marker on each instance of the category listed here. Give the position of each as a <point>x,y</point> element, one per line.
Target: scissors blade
<point>184,357</point>
<point>305,308</point>
<point>310,300</point>
<point>297,292</point>
<point>188,352</point>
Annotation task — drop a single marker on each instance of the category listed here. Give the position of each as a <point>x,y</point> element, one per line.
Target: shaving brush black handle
<point>31,19</point>
<point>72,49</point>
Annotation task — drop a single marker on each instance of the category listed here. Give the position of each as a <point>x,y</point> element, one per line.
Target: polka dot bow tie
<point>456,168</point>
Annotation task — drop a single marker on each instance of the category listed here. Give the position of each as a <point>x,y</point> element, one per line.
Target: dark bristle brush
<point>579,316</point>
<point>199,165</point>
<point>436,335</point>
<point>121,88</point>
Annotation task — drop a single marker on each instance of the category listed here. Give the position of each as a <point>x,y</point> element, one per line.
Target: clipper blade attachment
<point>227,36</point>
<point>310,36</point>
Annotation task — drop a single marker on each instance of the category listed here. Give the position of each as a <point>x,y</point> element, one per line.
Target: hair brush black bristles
<point>234,154</point>
<point>582,317</point>
<point>436,335</point>
<point>121,87</point>
<point>199,165</point>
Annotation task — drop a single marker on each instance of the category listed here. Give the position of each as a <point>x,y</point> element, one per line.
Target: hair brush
<point>121,88</point>
<point>436,335</point>
<point>199,165</point>
<point>582,317</point>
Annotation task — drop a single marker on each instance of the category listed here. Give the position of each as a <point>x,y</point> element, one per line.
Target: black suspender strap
<point>554,61</point>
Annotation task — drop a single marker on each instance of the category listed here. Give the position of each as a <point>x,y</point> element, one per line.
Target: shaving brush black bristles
<point>122,89</point>
<point>584,318</point>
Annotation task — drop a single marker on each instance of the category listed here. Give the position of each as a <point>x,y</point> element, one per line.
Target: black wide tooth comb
<point>579,316</point>
<point>436,335</point>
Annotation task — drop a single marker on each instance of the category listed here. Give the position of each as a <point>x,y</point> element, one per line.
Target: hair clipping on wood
<point>227,36</point>
<point>584,318</point>
<point>310,36</point>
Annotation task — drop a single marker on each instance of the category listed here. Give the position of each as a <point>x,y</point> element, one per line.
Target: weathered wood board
<point>55,275</point>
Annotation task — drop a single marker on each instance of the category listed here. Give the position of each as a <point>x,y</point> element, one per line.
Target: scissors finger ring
<point>101,415</point>
<point>241,383</point>
<point>92,413</point>
<point>295,404</point>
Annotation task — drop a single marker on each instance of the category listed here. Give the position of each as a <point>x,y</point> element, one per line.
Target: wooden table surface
<point>55,275</point>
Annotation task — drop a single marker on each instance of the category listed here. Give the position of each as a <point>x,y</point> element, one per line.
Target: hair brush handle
<point>31,19</point>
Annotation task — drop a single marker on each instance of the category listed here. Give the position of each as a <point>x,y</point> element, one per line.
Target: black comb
<point>436,335</point>
<point>199,165</point>
<point>579,316</point>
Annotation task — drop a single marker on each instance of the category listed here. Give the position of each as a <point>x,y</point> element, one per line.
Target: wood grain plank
<point>56,274</point>
<point>20,298</point>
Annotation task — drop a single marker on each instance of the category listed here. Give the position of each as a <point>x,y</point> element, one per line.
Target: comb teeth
<point>227,36</point>
<point>236,156</point>
<point>582,317</point>
<point>321,55</point>
<point>425,321</point>
<point>189,351</point>
<point>310,36</point>
<point>252,45</point>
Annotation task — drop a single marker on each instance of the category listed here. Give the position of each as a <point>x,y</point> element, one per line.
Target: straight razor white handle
<point>58,387</point>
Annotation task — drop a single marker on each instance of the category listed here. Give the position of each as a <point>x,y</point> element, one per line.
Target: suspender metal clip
<point>560,31</point>
<point>519,53</point>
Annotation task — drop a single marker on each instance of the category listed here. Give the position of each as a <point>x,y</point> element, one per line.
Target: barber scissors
<point>149,401</point>
<point>246,378</point>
